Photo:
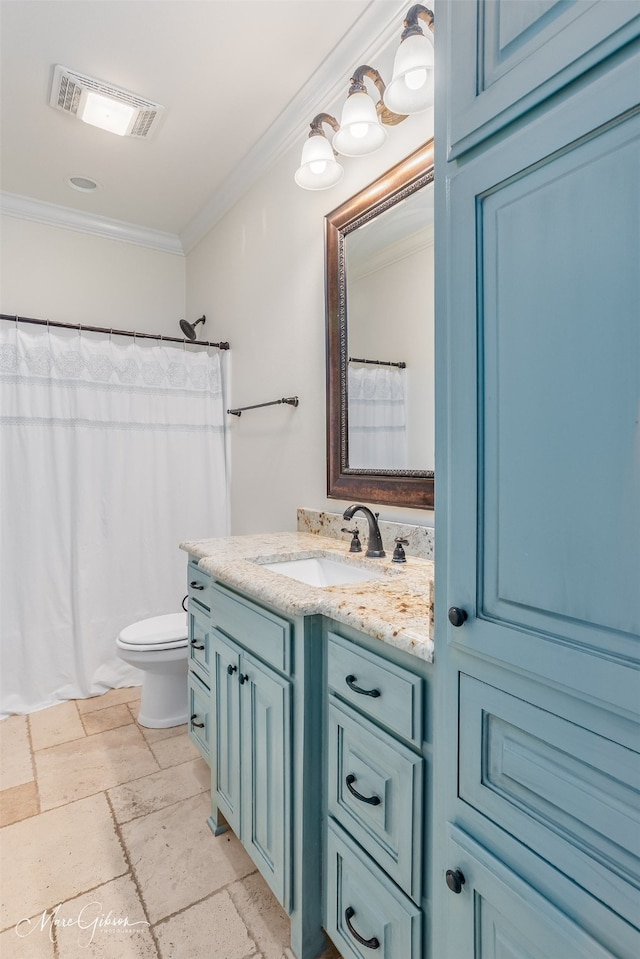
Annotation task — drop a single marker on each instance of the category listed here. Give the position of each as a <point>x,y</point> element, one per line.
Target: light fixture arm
<point>316,124</point>
<point>411,25</point>
<point>357,80</point>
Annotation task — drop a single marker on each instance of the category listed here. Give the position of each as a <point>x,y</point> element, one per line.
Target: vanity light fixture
<point>360,130</point>
<point>319,168</point>
<point>362,124</point>
<point>411,87</point>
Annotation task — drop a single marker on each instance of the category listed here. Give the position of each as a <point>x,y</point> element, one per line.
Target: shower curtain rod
<point>402,365</point>
<point>102,329</point>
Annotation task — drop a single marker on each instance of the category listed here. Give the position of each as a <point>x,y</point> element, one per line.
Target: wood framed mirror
<point>379,347</point>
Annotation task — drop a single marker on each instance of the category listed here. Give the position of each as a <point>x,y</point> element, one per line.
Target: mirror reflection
<point>379,255</point>
<point>389,271</point>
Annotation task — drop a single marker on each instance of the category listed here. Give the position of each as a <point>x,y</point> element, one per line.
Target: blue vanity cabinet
<point>537,727</point>
<point>378,807</point>
<point>265,753</point>
<point>199,675</point>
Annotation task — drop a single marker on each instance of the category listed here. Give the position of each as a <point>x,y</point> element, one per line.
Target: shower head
<point>189,329</point>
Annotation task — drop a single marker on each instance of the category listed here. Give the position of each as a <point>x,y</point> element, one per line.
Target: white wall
<point>260,275</point>
<point>259,278</point>
<point>58,274</point>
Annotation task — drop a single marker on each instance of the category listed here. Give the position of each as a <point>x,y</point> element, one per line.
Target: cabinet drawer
<point>572,793</point>
<point>387,820</point>
<point>198,584</point>
<point>199,717</point>
<point>255,628</point>
<point>363,904</point>
<point>386,692</point>
<point>200,644</point>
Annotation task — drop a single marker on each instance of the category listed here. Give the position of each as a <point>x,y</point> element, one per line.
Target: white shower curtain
<point>377,417</point>
<point>111,453</point>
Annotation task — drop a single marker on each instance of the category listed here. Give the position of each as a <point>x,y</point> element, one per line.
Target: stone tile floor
<point>104,848</point>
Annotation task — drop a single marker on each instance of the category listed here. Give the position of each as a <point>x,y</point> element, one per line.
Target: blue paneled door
<point>538,466</point>
<point>266,773</point>
<point>252,761</point>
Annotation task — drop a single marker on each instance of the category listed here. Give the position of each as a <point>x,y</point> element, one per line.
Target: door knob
<point>455,880</point>
<point>457,616</point>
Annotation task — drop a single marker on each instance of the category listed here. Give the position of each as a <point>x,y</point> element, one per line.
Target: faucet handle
<point>356,546</point>
<point>398,553</point>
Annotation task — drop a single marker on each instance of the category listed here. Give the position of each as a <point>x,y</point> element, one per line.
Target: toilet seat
<point>157,633</point>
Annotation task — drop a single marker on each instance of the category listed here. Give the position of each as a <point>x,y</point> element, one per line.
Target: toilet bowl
<point>160,648</point>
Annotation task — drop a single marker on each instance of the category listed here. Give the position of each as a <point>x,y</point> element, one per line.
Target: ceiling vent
<point>78,95</point>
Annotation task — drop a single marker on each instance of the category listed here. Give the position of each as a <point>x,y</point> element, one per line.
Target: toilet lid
<point>167,631</point>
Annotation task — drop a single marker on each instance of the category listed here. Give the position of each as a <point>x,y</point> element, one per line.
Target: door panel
<point>559,320</point>
<point>499,916</point>
<point>510,56</point>
<point>544,396</point>
<point>226,738</point>
<point>266,773</point>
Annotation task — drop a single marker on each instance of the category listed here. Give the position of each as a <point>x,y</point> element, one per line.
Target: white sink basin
<point>323,572</point>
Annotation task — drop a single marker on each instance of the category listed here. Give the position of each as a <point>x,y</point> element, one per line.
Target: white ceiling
<point>240,81</point>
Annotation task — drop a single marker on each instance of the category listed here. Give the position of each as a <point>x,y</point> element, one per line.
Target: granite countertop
<point>397,609</point>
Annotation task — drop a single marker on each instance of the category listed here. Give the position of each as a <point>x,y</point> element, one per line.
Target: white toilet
<point>159,647</point>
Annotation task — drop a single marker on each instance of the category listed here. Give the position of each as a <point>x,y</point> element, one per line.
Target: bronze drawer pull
<point>372,800</point>
<point>350,681</point>
<point>195,585</point>
<point>199,725</point>
<point>372,943</point>
<point>195,644</point>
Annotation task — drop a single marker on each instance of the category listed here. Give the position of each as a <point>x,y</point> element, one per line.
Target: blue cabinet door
<point>496,915</point>
<point>266,773</point>
<point>225,749</point>
<point>538,492</point>
<point>508,56</point>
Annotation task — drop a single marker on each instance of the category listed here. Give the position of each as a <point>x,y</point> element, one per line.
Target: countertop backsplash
<point>321,523</point>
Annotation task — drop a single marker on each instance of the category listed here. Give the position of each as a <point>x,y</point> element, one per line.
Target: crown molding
<point>63,217</point>
<point>378,26</point>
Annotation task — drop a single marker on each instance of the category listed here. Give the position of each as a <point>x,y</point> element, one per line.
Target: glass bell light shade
<point>360,131</point>
<point>411,87</point>
<point>318,168</point>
